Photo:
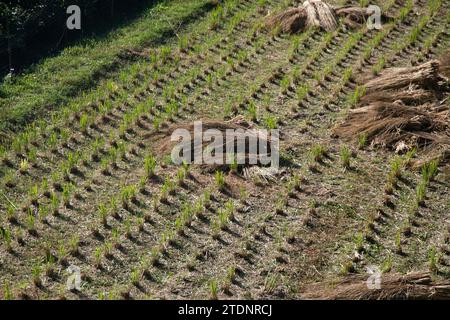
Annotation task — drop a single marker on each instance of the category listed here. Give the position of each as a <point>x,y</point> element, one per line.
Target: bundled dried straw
<point>164,145</point>
<point>320,14</point>
<point>290,21</point>
<point>387,124</point>
<point>402,106</point>
<point>316,13</point>
<point>313,13</point>
<point>399,78</point>
<point>417,285</point>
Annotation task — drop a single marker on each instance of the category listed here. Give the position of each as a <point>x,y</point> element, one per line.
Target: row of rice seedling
<point>31,135</point>
<point>374,42</point>
<point>176,234</point>
<point>352,268</point>
<point>304,90</point>
<point>82,121</point>
<point>127,196</point>
<point>354,96</point>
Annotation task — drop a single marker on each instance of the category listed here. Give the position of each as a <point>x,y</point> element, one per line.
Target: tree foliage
<point>24,23</point>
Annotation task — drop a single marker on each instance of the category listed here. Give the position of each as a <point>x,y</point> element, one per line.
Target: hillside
<point>86,181</point>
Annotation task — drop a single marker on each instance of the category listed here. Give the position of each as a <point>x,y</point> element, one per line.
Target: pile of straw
<point>317,13</point>
<point>164,145</point>
<point>405,106</point>
<point>417,285</point>
<point>313,13</point>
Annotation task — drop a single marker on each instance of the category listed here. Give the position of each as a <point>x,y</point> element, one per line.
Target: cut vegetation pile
<point>402,107</point>
<point>310,14</point>
<point>417,285</point>
<point>316,13</point>
<point>91,183</point>
<point>243,133</point>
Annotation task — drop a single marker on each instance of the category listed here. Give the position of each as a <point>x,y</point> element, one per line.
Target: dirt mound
<point>316,13</point>
<point>243,132</point>
<point>403,106</point>
<point>418,285</point>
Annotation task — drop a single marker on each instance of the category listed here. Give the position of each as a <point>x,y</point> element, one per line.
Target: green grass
<point>345,154</point>
<point>433,259</point>
<point>421,190</point>
<point>376,69</point>
<point>220,180</point>
<point>150,165</point>
<point>167,225</point>
<point>54,81</point>
<point>302,91</point>
<point>36,273</point>
<point>355,98</point>
<point>214,289</point>
<point>362,141</point>
<point>271,283</point>
<point>429,170</point>
<point>7,294</point>
<point>363,3</point>
<point>396,167</point>
<point>318,152</point>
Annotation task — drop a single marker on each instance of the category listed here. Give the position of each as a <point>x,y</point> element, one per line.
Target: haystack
<point>292,20</point>
<point>387,124</point>
<point>316,13</point>
<point>404,106</point>
<point>425,75</point>
<point>164,145</point>
<point>417,285</point>
<point>320,14</point>
<point>313,13</point>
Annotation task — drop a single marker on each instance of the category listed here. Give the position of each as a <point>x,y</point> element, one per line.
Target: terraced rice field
<point>87,187</point>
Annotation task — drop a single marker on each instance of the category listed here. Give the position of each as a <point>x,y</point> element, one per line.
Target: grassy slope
<point>56,80</point>
<point>325,218</point>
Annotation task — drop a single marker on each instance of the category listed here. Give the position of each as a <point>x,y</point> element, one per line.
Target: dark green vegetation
<point>81,68</point>
<point>87,187</point>
<point>28,28</point>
